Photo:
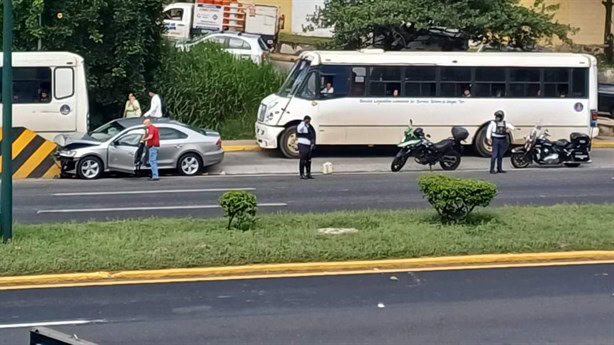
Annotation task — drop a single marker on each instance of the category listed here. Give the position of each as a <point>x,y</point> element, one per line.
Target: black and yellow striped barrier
<point>32,155</point>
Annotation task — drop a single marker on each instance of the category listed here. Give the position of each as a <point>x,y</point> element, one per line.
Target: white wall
<point>302,11</point>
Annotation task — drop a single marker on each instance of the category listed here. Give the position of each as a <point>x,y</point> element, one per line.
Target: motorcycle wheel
<point>572,165</point>
<point>520,161</point>
<point>398,163</point>
<point>450,161</point>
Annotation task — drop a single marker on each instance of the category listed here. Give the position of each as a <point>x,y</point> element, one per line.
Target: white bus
<point>376,93</point>
<point>49,93</point>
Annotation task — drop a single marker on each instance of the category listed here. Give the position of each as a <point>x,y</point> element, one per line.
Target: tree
<point>608,39</point>
<point>120,41</point>
<point>393,24</point>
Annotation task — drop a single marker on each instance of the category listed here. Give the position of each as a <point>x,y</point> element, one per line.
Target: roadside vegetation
<point>209,88</point>
<point>278,238</point>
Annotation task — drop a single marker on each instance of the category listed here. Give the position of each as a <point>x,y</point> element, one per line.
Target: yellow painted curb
<point>242,148</point>
<point>301,269</point>
<point>603,145</point>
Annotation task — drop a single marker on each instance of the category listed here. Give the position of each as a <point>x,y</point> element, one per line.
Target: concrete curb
<point>242,148</point>
<point>603,145</point>
<point>300,269</point>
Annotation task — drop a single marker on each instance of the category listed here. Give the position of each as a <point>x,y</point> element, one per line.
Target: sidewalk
<point>252,146</point>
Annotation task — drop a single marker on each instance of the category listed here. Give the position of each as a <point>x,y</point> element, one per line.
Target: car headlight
<point>69,154</point>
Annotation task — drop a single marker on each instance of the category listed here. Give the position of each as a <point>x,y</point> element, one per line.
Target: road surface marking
<point>50,323</point>
<point>147,208</point>
<point>155,191</point>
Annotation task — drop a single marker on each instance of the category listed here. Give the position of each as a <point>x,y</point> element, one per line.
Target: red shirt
<point>155,136</point>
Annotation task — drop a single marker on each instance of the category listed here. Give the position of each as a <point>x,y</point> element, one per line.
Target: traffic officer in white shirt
<point>306,143</point>
<point>496,134</point>
<point>155,108</point>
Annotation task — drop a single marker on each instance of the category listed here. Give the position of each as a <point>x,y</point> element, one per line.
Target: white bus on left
<point>49,93</point>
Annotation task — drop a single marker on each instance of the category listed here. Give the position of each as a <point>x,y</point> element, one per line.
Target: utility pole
<point>608,41</point>
<point>6,207</point>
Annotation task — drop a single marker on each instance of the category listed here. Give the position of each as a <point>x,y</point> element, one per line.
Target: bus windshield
<point>296,75</point>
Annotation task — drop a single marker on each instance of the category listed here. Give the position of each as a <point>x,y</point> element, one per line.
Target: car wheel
<point>89,168</point>
<point>189,164</point>
<point>288,143</point>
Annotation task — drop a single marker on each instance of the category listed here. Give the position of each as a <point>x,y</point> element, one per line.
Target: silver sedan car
<point>113,147</point>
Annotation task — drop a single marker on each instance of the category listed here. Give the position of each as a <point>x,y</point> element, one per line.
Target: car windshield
<point>297,74</point>
<point>195,129</point>
<point>107,131</point>
<point>262,44</point>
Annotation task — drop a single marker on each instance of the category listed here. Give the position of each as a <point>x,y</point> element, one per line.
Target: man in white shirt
<point>496,135</point>
<point>306,142</point>
<point>155,108</point>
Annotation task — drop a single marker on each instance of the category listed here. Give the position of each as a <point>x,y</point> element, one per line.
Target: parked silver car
<point>113,146</point>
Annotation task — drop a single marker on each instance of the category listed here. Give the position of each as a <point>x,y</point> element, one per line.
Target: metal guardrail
<point>47,336</point>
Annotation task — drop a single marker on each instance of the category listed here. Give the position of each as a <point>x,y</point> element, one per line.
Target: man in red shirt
<point>152,141</point>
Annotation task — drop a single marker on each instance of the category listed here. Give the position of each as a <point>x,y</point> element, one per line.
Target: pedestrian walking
<point>155,107</point>
<point>132,108</point>
<point>496,134</point>
<point>306,143</point>
<point>152,142</point>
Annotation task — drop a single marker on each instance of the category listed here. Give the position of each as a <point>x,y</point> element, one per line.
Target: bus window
<point>490,82</point>
<point>31,85</point>
<point>64,82</point>
<point>359,75</point>
<point>525,83</point>
<point>556,82</point>
<point>579,82</point>
<point>334,81</point>
<point>455,82</point>
<point>420,81</point>
<point>384,80</point>
<point>309,90</point>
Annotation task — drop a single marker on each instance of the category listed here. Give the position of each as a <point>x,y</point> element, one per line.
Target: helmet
<point>500,113</point>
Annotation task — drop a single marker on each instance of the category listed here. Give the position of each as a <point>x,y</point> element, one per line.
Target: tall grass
<point>209,88</point>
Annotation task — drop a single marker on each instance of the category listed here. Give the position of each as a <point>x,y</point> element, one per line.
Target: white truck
<point>186,21</point>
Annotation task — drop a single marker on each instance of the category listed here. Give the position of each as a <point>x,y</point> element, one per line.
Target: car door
<point>121,151</point>
<point>172,142</point>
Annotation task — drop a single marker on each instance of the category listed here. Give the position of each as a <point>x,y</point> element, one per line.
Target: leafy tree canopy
<point>393,24</point>
<point>120,41</point>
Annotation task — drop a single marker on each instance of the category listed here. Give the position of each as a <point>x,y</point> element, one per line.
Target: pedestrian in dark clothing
<point>306,143</point>
<point>496,134</point>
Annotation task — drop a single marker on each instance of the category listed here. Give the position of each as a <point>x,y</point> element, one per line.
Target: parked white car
<point>241,45</point>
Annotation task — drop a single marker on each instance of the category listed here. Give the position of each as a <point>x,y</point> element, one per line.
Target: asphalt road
<point>555,305</point>
<point>120,198</point>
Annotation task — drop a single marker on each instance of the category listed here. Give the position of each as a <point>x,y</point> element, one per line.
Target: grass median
<point>279,238</point>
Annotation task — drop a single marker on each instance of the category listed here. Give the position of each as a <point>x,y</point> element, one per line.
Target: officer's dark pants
<point>499,147</point>
<point>305,159</point>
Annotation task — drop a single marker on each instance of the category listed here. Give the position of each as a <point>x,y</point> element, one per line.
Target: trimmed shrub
<point>454,198</point>
<point>240,208</point>
<point>207,87</point>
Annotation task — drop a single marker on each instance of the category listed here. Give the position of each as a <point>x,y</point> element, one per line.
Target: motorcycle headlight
<point>68,154</point>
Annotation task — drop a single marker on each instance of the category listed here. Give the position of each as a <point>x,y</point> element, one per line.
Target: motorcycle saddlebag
<point>459,133</point>
<point>580,139</point>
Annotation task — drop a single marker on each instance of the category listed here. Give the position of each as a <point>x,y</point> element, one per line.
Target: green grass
<point>166,243</point>
<point>285,37</point>
<point>236,129</point>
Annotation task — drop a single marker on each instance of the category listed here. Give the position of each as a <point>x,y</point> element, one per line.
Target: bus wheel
<point>288,142</point>
<point>481,146</point>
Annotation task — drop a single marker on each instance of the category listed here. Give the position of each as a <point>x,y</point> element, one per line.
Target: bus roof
<point>42,59</point>
<point>433,58</point>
